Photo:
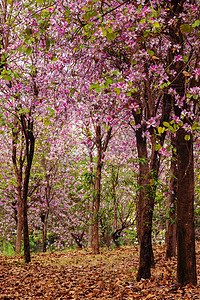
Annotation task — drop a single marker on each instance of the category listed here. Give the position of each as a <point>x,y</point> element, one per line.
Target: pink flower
<point>178,58</point>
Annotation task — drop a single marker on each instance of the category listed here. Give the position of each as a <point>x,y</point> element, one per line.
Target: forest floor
<point>77,274</point>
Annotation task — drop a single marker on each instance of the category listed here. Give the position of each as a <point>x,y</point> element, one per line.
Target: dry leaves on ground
<point>77,274</point>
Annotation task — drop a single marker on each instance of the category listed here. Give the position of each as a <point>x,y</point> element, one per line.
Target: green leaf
<point>6,77</point>
<point>94,86</point>
<point>166,124</point>
<point>138,111</point>
<point>111,36</point>
<point>20,49</point>
<point>150,52</point>
<point>156,24</point>
<point>158,147</point>
<point>98,90</point>
<point>142,21</point>
<point>28,50</point>
<point>47,122</point>
<point>161,130</point>
<point>185,59</point>
<point>185,28</point>
<point>152,181</point>
<point>117,90</point>
<point>180,123</point>
<point>48,43</point>
<point>104,32</point>
<point>171,129</point>
<point>109,80</point>
<point>196,23</point>
<point>187,137</point>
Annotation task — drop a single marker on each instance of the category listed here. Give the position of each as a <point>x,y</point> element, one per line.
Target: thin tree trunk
<point>143,181</point>
<point>19,228</point>
<point>186,264</point>
<point>98,191</point>
<point>91,206</point>
<point>18,168</point>
<point>47,196</point>
<point>91,224</point>
<point>25,218</point>
<point>114,184</point>
<point>27,126</point>
<point>44,232</point>
<point>101,149</point>
<point>170,238</point>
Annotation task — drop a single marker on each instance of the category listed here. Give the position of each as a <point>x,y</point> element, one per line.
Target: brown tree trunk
<point>91,224</point>
<point>46,214</point>
<point>147,183</point>
<point>170,238</point>
<point>27,126</point>
<point>114,182</point>
<point>18,168</point>
<point>186,264</point>
<point>98,191</point>
<point>145,206</point>
<point>143,181</point>
<point>91,208</point>
<point>101,149</point>
<point>186,260</point>
<point>19,227</point>
<point>44,232</point>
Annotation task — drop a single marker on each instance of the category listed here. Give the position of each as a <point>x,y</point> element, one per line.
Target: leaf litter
<point>78,274</point>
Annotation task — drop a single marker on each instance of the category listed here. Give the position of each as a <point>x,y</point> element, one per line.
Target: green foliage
<point>7,248</point>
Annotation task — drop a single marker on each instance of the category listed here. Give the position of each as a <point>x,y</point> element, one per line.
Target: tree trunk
<point>147,183</point>
<point>46,214</point>
<point>18,168</point>
<point>186,264</point>
<point>143,181</point>
<point>186,260</point>
<point>91,225</point>
<point>27,126</point>
<point>101,149</point>
<point>114,184</point>
<point>19,227</point>
<point>145,205</point>
<point>44,232</point>
<point>170,238</point>
<point>25,218</point>
<point>91,206</point>
<point>98,191</point>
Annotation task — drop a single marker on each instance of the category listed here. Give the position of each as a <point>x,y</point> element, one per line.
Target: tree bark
<point>44,232</point>
<point>46,214</point>
<point>98,191</point>
<point>186,264</point>
<point>101,149</point>
<point>27,126</point>
<point>91,224</point>
<point>147,183</point>
<point>91,207</point>
<point>170,238</point>
<point>18,168</point>
<point>186,260</point>
<point>145,206</point>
